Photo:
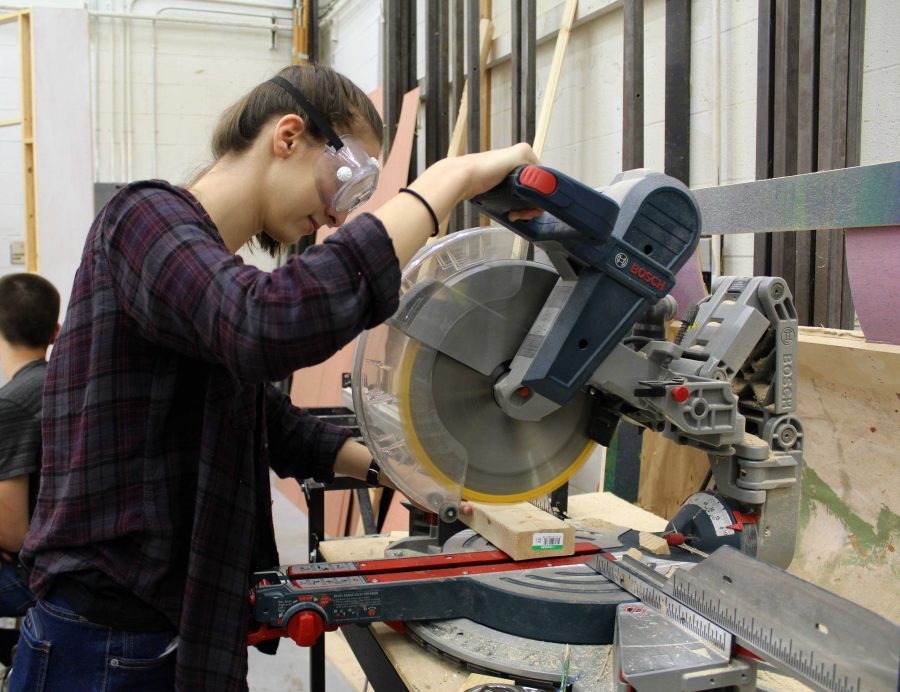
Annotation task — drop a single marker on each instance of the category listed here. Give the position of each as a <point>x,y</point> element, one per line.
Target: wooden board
<point>521,530</point>
<point>562,40</point>
<point>670,472</point>
<point>590,509</point>
<point>474,680</point>
<point>849,404</point>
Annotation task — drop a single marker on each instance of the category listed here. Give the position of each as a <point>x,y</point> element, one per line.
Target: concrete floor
<point>288,670</point>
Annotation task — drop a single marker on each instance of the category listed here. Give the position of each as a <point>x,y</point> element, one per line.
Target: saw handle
<point>574,211</point>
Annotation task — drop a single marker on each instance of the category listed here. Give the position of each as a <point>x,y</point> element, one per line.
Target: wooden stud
<point>32,256</point>
<point>562,40</point>
<point>484,106</point>
<point>521,530</point>
<point>633,87</point>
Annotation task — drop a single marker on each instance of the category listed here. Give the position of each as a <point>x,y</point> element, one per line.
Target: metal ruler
<point>822,639</point>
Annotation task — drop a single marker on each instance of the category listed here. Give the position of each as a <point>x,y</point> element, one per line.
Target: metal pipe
<point>187,20</point>
<point>236,3</point>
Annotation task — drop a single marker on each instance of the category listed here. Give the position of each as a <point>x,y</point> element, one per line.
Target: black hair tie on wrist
<point>434,218</point>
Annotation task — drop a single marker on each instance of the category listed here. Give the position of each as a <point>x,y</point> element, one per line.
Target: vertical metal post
<point>633,86</point>
<point>473,74</point>
<point>436,66</point>
<point>313,30</point>
<point>785,125</point>
<point>529,51</point>
<point>315,505</point>
<point>765,86</point>
<point>807,145</point>
<point>678,90</point>
<point>515,59</point>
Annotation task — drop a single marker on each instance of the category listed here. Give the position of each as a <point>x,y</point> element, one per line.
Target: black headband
<point>311,111</point>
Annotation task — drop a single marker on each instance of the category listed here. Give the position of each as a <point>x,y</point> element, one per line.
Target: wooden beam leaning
<point>473,89</point>
<point>521,530</point>
<point>678,90</point>
<point>765,84</point>
<point>484,92</point>
<point>562,40</point>
<point>633,86</point>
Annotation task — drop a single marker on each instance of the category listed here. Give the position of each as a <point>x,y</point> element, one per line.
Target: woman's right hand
<point>487,169</point>
<point>443,186</point>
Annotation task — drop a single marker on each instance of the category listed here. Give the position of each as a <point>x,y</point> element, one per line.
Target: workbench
<point>393,661</point>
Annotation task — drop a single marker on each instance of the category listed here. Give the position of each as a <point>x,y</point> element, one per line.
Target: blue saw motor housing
<point>620,248</point>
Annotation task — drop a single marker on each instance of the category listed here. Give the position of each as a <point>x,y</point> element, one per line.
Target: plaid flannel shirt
<point>160,424</point>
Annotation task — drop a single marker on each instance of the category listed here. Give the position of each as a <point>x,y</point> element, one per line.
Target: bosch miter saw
<point>511,355</point>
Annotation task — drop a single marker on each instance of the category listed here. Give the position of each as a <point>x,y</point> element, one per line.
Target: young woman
<point>160,423</point>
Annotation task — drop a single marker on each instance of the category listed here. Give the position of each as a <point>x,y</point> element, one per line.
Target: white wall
<point>351,41</point>
<point>881,83</point>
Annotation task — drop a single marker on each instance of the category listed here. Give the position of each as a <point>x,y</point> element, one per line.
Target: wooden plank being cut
<point>521,530</point>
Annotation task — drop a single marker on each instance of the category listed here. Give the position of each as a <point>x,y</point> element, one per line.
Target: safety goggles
<point>346,175</point>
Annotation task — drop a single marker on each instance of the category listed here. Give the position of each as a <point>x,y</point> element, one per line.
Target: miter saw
<point>513,352</point>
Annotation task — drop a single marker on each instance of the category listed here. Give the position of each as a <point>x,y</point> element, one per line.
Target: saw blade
<point>423,382</point>
<point>506,460</point>
<point>448,412</point>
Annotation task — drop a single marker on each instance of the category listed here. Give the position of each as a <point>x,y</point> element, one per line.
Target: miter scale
<point>508,358</point>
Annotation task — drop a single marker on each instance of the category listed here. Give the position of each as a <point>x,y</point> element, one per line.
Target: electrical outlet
<point>17,252</point>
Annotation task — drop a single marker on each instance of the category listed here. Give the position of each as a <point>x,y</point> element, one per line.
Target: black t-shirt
<point>20,425</point>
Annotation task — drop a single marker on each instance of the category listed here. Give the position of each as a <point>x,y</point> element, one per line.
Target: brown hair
<point>338,99</point>
<point>29,310</point>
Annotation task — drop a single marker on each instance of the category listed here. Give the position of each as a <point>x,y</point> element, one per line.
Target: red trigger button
<point>538,179</point>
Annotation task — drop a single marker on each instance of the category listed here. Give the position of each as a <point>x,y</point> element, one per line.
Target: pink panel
<point>320,385</point>
<point>689,286</point>
<point>875,280</point>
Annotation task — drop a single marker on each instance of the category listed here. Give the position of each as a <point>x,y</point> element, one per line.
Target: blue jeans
<point>15,596</point>
<point>60,650</point>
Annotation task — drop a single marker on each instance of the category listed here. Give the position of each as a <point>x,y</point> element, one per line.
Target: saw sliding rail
<point>302,601</point>
<point>737,605</point>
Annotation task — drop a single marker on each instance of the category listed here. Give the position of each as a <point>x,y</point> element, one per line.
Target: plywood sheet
<point>874,283</point>
<point>689,287</point>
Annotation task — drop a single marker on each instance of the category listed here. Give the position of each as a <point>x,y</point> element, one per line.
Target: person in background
<point>160,419</point>
<point>29,314</point>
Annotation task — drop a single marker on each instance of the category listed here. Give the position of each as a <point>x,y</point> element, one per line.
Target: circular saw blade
<point>423,382</point>
<point>448,412</point>
<point>506,460</point>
